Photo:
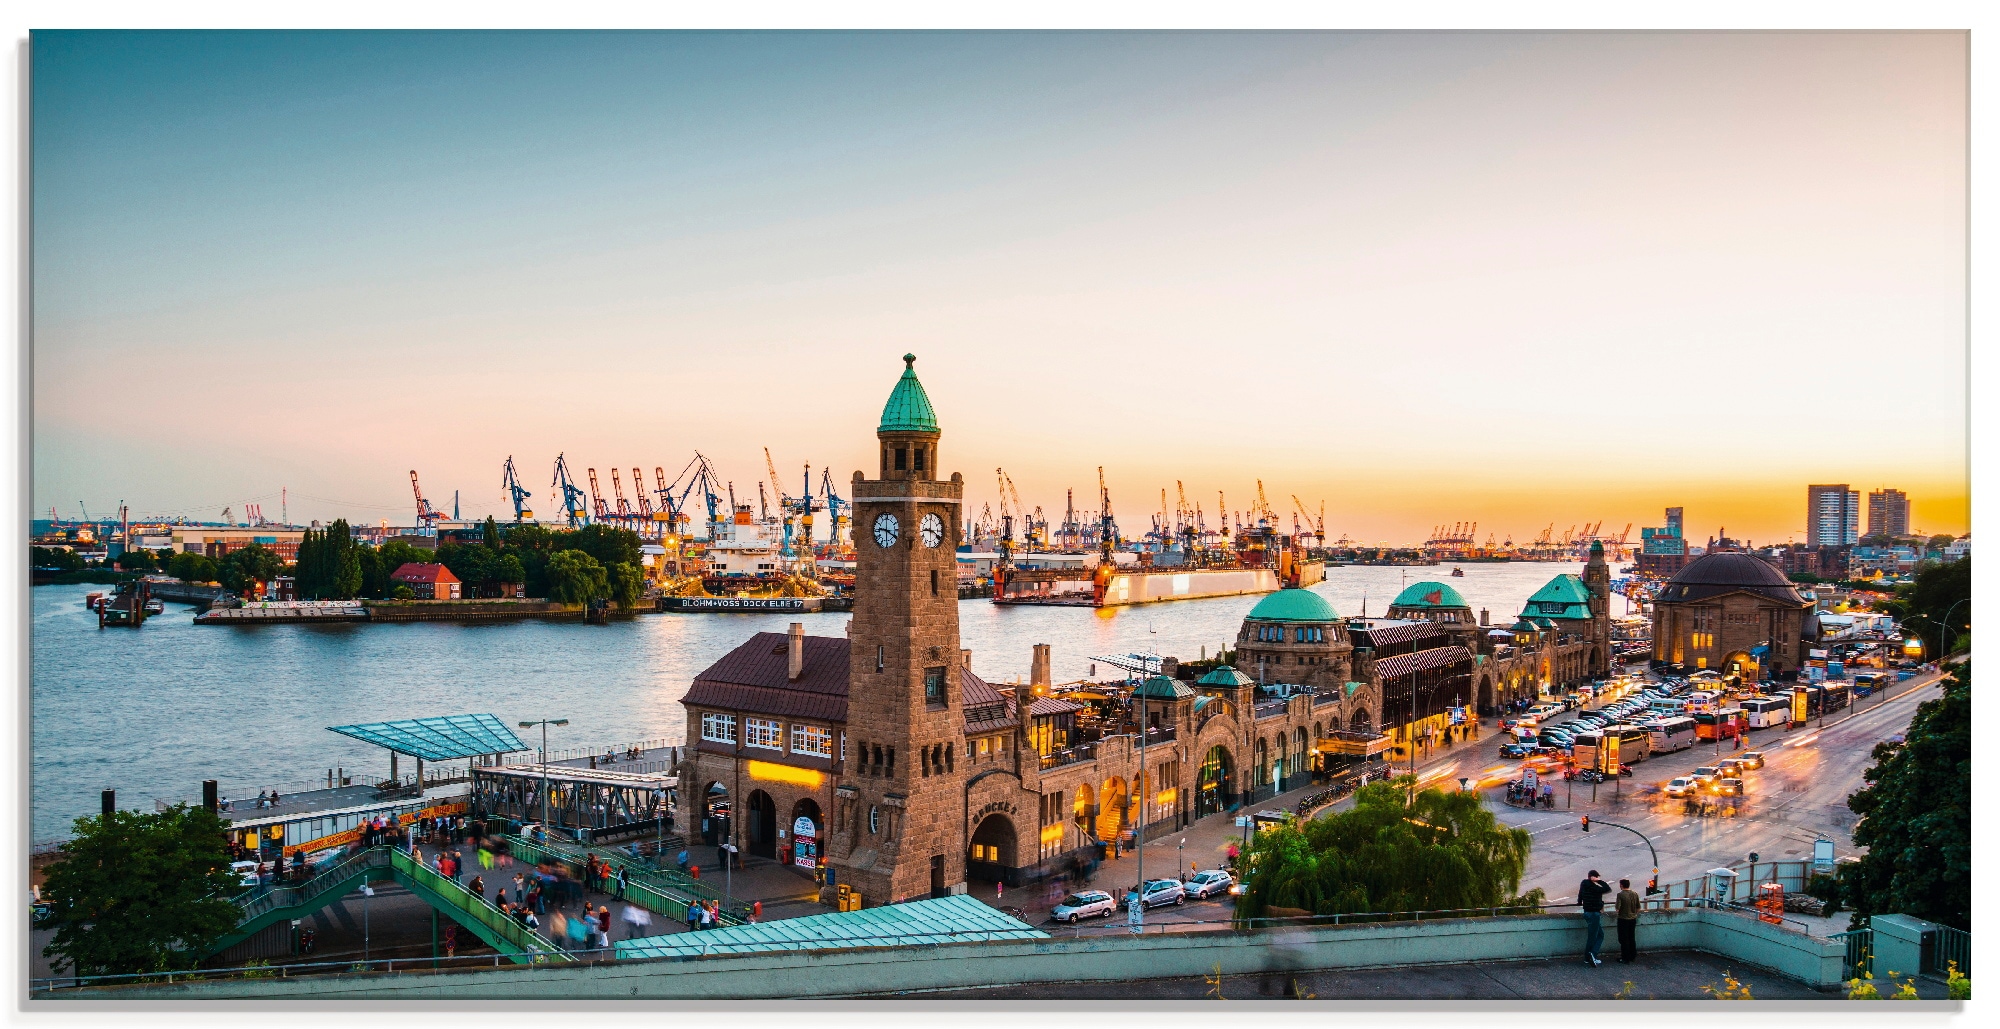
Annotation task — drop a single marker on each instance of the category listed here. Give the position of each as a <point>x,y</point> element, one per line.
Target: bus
<point>1634,745</point>
<point>1765,712</point>
<point>1670,707</point>
<point>1725,724</point>
<point>1670,734</point>
<point>1824,699</point>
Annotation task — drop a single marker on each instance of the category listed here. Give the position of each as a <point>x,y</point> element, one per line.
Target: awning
<point>959,919</point>
<point>1359,744</point>
<point>447,738</point>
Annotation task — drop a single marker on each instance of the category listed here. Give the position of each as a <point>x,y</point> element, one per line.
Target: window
<point>933,582</point>
<point>984,744</point>
<point>766,733</point>
<point>878,659</point>
<point>983,852</point>
<point>934,685</point>
<point>902,458</point>
<point>920,459</point>
<point>717,728</point>
<point>812,740</point>
<point>874,821</point>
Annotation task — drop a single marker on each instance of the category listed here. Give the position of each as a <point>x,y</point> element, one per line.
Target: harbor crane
<point>618,490</point>
<point>1264,506</point>
<point>1318,525</point>
<point>837,509</point>
<point>639,496</point>
<point>517,492</point>
<point>572,497</point>
<point>427,515</point>
<point>598,508</point>
<point>698,473</point>
<point>1107,529</point>
<point>1006,514</point>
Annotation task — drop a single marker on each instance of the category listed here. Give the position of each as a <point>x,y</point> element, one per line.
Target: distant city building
<point>1833,516</point>
<point>1888,513</point>
<point>1663,550</point>
<point>1959,549</point>
<point>218,541</point>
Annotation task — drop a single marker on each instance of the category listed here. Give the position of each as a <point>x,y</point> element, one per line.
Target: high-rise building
<point>1833,516</point>
<point>1888,512</point>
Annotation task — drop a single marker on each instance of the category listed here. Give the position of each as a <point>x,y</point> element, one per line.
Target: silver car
<point>1087,904</point>
<point>1209,883</point>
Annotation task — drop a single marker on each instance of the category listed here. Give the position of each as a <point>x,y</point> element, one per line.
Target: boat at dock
<point>1457,572</point>
<point>1260,562</point>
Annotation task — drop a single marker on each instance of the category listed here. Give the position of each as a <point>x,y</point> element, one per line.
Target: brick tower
<point>900,809</point>
<point>1597,577</point>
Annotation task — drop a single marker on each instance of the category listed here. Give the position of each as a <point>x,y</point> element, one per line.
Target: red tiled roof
<point>1420,661</point>
<point>1053,706</point>
<point>415,571</point>
<point>977,692</point>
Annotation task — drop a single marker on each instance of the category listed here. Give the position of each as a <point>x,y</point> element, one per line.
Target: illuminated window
<point>934,685</point>
<point>983,852</point>
<point>765,733</point>
<point>812,740</point>
<point>717,728</point>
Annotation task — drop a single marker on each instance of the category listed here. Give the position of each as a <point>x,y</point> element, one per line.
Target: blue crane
<point>572,497</point>
<point>520,493</point>
<point>835,506</point>
<point>697,473</point>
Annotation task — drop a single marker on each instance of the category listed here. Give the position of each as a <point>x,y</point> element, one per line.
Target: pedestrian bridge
<point>267,908</point>
<point>663,891</point>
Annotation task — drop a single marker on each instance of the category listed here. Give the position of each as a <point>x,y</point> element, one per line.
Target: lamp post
<point>1944,626</point>
<point>543,754</point>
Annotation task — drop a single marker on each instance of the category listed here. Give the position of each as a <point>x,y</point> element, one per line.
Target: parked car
<point>1679,786</point>
<point>1209,883</point>
<point>1158,892</point>
<point>1515,750</point>
<point>1752,759</point>
<point>1088,904</point>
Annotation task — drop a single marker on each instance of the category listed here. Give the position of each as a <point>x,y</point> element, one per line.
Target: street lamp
<point>544,755</point>
<point>1944,626</point>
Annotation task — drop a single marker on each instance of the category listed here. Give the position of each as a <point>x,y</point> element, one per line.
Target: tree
<point>252,564</point>
<point>137,559</point>
<point>1939,592</point>
<point>576,578</point>
<point>1916,817</point>
<point>609,545</point>
<point>58,558</point>
<point>139,892</point>
<point>626,584</point>
<point>192,567</point>
<point>1440,851</point>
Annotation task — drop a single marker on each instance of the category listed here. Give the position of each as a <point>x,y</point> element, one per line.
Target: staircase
<point>664,891</point>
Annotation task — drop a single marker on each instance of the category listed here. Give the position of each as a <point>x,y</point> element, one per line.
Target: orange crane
<point>618,490</point>
<point>427,515</point>
<point>597,504</point>
<point>639,495</point>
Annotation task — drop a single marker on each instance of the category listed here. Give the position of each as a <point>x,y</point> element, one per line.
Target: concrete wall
<point>1898,945</point>
<point>1112,956</point>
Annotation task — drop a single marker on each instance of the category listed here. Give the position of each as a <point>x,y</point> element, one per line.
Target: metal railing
<point>1949,947</point>
<point>1069,755</point>
<point>1860,947</point>
<point>262,900</point>
<point>454,893</point>
<point>670,884</point>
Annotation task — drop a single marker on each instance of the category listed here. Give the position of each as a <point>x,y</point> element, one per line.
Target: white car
<point>1680,786</point>
<point>1209,883</point>
<point>1087,904</point>
<point>1160,891</point>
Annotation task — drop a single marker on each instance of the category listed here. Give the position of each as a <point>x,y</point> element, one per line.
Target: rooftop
<point>447,738</point>
<point>909,407</point>
<point>956,919</point>
<point>1293,604</point>
<point>1428,594</point>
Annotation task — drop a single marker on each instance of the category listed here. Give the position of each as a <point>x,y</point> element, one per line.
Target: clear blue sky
<point>1419,276</point>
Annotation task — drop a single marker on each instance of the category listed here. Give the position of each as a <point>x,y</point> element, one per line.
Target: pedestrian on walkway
<point>604,926</point>
<point>520,888</point>
<point>637,921</point>
<point>558,927</point>
<point>693,916</point>
<point>710,915</point>
<point>1590,896</point>
<point>477,886</point>
<point>621,882</point>
<point>1628,922</point>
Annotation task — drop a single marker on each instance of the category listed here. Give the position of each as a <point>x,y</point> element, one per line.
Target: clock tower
<point>899,831</point>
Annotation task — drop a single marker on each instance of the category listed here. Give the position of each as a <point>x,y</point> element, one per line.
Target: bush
<point>1826,889</point>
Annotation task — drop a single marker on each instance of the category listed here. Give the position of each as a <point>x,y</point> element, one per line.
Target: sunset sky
<point>1515,278</point>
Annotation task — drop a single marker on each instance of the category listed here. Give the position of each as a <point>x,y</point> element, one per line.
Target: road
<point>1800,794</point>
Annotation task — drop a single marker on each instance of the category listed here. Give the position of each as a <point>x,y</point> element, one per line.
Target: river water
<point>154,711</point>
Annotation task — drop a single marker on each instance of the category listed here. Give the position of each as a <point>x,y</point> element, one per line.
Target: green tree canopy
<point>1916,817</point>
<point>138,559</point>
<point>55,557</point>
<point>1441,851</point>
<point>254,563</point>
<point>1939,592</point>
<point>627,583</point>
<point>139,892</point>
<point>192,567</point>
<point>608,544</point>
<point>576,578</point>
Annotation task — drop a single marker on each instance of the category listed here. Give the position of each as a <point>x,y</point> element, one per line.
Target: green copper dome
<point>1225,676</point>
<point>1160,687</point>
<point>1293,604</point>
<point>1428,594</point>
<point>909,408</point>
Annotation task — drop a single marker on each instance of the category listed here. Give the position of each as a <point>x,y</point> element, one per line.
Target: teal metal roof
<point>1293,604</point>
<point>958,919</point>
<point>1159,687</point>
<point>909,407</point>
<point>1526,626</point>
<point>1429,594</point>
<point>1565,596</point>
<point>1225,676</point>
<point>438,739</point>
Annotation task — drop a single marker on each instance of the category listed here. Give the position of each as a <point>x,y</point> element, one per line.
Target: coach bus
<point>1671,734</point>
<point>1765,712</point>
<point>1720,725</point>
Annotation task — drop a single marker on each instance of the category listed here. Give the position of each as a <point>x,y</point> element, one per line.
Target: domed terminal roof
<point>1159,687</point>
<point>1293,604</point>
<point>1429,594</point>
<point>1225,676</point>
<point>909,407</point>
<point>1712,575</point>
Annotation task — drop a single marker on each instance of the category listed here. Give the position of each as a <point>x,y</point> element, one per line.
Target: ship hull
<point>1128,588</point>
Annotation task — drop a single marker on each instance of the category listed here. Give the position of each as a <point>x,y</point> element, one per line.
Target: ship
<point>1457,572</point>
<point>1260,562</point>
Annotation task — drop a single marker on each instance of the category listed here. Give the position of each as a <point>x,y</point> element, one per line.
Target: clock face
<point>932,530</point>
<point>885,530</point>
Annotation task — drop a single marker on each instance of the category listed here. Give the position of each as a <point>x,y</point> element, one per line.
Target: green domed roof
<point>1225,676</point>
<point>1429,594</point>
<point>909,407</point>
<point>1159,687</point>
<point>1293,604</point>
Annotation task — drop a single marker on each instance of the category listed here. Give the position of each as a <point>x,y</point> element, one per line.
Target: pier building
<point>1735,613</point>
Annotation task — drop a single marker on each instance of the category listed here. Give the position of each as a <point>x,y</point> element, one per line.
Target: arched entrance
<point>1485,703</point>
<point>715,813</point>
<point>807,830</point>
<point>1084,812</point>
<point>760,825</point>
<point>992,856</point>
<point>1215,787</point>
<point>1111,809</point>
<point>1361,722</point>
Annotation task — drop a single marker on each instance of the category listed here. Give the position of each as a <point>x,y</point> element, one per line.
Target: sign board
<point>1243,821</point>
<point>1822,856</point>
<point>1816,674</point>
<point>1528,778</point>
<point>1798,705</point>
<point>804,827</point>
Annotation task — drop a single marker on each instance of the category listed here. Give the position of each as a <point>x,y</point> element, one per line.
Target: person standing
<point>621,882</point>
<point>1590,896</point>
<point>604,926</point>
<point>1628,922</point>
<point>693,916</point>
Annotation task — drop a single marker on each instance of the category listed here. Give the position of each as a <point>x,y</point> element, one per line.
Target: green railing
<point>1860,945</point>
<point>451,893</point>
<point>673,888</point>
<point>257,907</point>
